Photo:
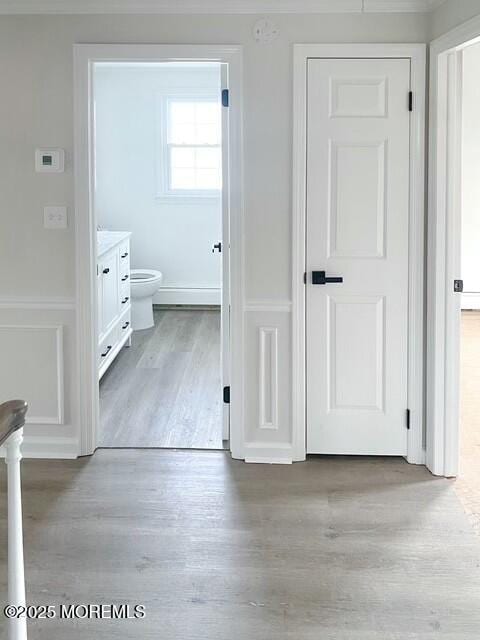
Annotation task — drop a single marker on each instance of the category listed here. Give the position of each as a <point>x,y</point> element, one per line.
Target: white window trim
<point>162,168</point>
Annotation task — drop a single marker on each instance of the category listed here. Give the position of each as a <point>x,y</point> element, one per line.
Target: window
<point>192,153</point>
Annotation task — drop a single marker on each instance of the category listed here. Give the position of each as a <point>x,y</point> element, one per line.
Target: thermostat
<point>49,160</point>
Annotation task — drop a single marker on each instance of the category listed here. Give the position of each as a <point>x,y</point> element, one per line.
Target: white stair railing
<point>12,419</point>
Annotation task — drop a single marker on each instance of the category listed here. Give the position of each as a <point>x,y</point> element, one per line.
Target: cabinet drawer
<point>125,302</point>
<point>124,257</point>
<point>108,344</point>
<point>124,285</point>
<point>125,323</point>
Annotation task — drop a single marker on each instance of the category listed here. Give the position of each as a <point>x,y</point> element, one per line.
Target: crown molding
<point>178,6</point>
<point>434,4</point>
<point>52,7</point>
<point>401,6</point>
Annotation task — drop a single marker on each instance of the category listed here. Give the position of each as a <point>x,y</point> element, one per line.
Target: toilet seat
<point>144,275</point>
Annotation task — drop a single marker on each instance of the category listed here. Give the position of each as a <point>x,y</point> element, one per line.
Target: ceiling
<point>13,7</point>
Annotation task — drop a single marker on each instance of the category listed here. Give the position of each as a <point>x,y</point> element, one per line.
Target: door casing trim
<point>444,247</point>
<point>417,55</point>
<point>85,241</point>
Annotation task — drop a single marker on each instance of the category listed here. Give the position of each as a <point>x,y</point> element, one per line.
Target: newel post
<point>16,569</point>
<point>12,419</point>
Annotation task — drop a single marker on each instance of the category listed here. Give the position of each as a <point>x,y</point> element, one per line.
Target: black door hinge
<point>458,286</point>
<point>225,98</point>
<point>226,395</point>
<point>410,101</point>
<point>305,278</point>
<point>408,418</point>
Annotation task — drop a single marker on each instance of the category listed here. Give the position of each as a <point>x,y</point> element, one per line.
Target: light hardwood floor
<point>468,483</point>
<point>165,390</point>
<point>330,549</point>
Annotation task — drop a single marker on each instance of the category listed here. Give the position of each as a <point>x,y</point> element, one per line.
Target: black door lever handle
<point>318,277</point>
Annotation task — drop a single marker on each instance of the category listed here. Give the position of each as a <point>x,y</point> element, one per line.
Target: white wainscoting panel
<point>38,364</point>
<point>268,382</point>
<point>268,432</point>
<point>37,304</point>
<point>33,356</point>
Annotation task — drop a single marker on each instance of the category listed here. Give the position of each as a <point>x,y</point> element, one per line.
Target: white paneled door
<point>358,150</point>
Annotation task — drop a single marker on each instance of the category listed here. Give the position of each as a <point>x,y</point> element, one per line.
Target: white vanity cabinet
<point>114,298</point>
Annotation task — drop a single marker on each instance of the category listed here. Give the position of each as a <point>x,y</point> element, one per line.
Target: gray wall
<point>450,14</point>
<point>36,109</point>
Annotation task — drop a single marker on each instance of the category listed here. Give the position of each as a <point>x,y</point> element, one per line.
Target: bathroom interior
<point>158,207</point>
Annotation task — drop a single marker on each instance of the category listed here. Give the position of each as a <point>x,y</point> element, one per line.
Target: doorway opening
<point>468,485</point>
<point>453,410</point>
<point>159,206</point>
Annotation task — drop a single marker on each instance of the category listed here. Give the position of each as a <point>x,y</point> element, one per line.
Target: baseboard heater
<point>175,295</point>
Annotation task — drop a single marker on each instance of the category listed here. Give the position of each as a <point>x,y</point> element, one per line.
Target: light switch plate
<point>55,217</point>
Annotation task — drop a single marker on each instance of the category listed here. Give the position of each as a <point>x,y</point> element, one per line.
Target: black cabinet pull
<point>125,300</point>
<point>107,270</point>
<point>125,325</point>
<point>107,351</point>
<point>124,278</point>
<point>318,277</point>
<point>124,255</point>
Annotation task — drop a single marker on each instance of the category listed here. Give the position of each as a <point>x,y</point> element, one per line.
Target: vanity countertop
<point>106,240</point>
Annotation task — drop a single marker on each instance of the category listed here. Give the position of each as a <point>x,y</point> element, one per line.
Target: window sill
<point>188,199</point>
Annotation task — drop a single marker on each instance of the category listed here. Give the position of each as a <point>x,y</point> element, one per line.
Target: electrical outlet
<point>55,217</point>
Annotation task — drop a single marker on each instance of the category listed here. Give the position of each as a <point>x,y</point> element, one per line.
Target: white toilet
<point>144,284</point>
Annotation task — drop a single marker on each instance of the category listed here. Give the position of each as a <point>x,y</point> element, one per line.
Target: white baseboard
<point>268,453</point>
<point>470,300</point>
<point>48,447</point>
<point>172,295</point>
